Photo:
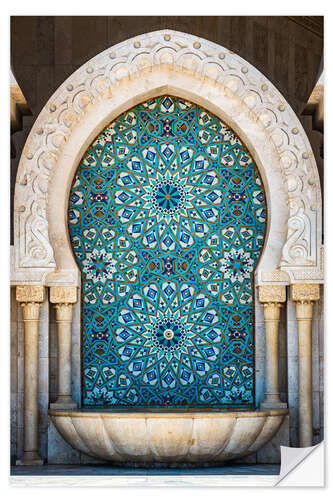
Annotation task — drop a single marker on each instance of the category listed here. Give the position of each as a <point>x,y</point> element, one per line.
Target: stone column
<point>272,298</point>
<point>304,295</point>
<point>63,298</point>
<point>30,298</point>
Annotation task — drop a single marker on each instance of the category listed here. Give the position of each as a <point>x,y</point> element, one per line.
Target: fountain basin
<point>167,437</point>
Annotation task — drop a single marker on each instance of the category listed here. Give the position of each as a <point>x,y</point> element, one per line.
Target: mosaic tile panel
<point>167,220</point>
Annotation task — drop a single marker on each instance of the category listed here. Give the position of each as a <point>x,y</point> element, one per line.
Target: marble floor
<point>106,470</point>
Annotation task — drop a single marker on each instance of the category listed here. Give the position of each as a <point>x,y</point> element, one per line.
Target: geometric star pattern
<point>167,220</point>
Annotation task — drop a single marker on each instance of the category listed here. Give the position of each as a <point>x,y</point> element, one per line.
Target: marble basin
<point>160,437</point>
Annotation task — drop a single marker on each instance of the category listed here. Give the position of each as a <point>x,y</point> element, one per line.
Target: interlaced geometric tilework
<point>167,220</point>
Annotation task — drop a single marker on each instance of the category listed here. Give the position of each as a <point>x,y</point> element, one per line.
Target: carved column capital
<point>305,293</point>
<point>64,312</point>
<point>272,294</point>
<point>272,311</point>
<point>63,294</point>
<point>30,311</point>
<point>30,293</point>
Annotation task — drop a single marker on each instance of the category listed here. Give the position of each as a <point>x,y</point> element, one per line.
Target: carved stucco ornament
<point>272,293</point>
<point>63,294</point>
<point>96,82</point>
<point>303,292</point>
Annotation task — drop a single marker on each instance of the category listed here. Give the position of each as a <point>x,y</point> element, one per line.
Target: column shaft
<point>304,295</point>
<point>271,297</point>
<point>31,380</point>
<point>272,317</point>
<point>304,319</point>
<point>31,318</point>
<point>63,299</point>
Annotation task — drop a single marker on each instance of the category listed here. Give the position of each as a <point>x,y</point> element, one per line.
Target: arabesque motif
<point>167,220</point>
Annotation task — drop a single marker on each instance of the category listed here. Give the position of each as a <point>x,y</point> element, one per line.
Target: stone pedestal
<point>30,298</point>
<point>63,297</point>
<point>272,298</point>
<point>304,295</point>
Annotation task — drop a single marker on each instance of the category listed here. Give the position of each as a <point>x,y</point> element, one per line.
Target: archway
<point>180,65</point>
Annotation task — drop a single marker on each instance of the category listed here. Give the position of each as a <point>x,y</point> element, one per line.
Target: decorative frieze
<point>274,277</point>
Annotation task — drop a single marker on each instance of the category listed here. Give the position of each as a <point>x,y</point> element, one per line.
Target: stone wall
<point>45,50</point>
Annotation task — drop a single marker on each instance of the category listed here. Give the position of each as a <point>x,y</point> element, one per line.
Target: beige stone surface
<point>270,453</point>
<point>153,437</point>
<point>59,451</point>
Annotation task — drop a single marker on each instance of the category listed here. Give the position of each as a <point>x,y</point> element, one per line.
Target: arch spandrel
<point>207,74</point>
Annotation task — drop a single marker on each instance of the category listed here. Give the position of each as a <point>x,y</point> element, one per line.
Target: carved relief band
<point>272,298</point>
<point>30,298</point>
<point>304,295</point>
<point>63,299</point>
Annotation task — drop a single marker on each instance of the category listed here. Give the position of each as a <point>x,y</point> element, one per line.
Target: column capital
<point>30,311</point>
<point>63,294</point>
<point>305,292</point>
<point>30,293</point>
<point>272,294</point>
<point>272,311</point>
<point>64,312</point>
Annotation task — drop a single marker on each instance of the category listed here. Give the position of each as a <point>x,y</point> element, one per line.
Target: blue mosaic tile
<point>167,219</point>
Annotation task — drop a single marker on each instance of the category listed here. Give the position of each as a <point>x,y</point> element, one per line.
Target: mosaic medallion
<point>167,220</point>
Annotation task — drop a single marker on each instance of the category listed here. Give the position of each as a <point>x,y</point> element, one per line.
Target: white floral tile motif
<point>237,265</point>
<point>98,266</point>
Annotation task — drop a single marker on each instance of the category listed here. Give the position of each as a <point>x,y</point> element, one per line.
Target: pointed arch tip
<point>209,75</point>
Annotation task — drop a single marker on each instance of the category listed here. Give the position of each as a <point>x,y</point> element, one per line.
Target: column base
<point>30,458</point>
<point>64,403</point>
<point>272,405</point>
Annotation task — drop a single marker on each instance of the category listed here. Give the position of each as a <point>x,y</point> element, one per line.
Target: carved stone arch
<point>189,67</point>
